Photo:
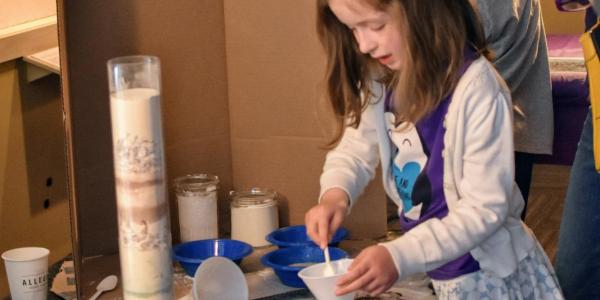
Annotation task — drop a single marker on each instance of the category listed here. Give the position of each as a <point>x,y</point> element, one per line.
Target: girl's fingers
<point>355,270</point>
<point>353,281</point>
<point>375,287</point>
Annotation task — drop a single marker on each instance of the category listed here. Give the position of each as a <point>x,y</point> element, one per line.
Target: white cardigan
<point>483,201</point>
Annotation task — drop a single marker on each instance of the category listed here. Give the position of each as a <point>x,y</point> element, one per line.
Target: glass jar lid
<point>254,197</point>
<point>194,183</point>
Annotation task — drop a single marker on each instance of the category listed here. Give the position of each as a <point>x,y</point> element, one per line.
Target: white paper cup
<point>322,286</point>
<point>27,272</point>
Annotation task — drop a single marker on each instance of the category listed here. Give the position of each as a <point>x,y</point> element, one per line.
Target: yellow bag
<point>590,41</point>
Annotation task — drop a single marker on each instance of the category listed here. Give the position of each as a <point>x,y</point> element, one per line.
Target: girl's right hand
<point>324,219</point>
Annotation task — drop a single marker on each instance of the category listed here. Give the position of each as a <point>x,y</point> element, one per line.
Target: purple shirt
<point>418,169</point>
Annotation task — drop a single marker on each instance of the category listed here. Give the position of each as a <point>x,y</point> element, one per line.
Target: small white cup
<point>323,286</point>
<point>27,272</point>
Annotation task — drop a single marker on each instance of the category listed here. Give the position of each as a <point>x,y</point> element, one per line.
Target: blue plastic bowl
<point>295,236</point>
<point>287,262</point>
<point>191,254</point>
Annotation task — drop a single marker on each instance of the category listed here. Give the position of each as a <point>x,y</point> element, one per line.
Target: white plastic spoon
<point>107,284</point>
<point>328,271</point>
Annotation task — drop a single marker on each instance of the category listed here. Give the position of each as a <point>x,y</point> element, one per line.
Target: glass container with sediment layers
<point>142,206</point>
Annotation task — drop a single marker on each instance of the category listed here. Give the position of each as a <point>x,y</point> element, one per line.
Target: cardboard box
<point>240,100</point>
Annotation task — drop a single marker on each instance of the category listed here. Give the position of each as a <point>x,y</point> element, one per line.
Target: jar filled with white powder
<point>197,202</point>
<point>253,215</point>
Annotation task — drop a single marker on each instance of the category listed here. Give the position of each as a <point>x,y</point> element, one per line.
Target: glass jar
<point>197,202</point>
<point>254,215</point>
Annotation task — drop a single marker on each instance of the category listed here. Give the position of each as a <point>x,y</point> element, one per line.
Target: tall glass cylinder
<point>140,178</point>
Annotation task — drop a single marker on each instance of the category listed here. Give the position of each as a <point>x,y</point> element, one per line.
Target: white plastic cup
<point>323,286</point>
<point>27,272</point>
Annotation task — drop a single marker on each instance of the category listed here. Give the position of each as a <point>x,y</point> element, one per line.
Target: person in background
<point>412,89</point>
<point>578,253</point>
<point>515,33</point>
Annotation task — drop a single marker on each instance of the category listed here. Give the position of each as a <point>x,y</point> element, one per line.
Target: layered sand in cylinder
<point>143,210</point>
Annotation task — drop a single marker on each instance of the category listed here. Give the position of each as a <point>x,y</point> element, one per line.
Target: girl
<point>411,87</point>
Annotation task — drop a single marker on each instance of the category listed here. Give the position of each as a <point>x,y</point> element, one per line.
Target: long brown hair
<point>435,33</point>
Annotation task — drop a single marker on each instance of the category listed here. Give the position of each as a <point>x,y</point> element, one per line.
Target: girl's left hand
<point>372,271</point>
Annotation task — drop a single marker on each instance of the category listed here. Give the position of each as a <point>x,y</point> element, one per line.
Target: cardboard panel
<point>275,67</point>
<point>188,38</point>
<point>274,64</point>
<point>191,48</point>
<point>88,117</point>
<point>291,166</point>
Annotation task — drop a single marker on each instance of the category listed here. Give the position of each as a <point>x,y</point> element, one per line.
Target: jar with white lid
<point>254,215</point>
<point>197,206</point>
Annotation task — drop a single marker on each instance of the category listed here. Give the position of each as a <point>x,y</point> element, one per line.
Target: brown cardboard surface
<point>188,38</point>
<point>273,57</point>
<point>275,66</point>
<point>291,166</point>
<point>191,49</point>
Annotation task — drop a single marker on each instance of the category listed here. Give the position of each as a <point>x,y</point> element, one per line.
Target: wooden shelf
<point>28,38</point>
<point>47,59</point>
<point>42,63</point>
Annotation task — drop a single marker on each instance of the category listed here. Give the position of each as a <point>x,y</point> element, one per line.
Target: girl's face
<point>377,32</point>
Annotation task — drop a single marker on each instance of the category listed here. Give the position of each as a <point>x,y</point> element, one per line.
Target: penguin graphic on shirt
<point>409,158</point>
